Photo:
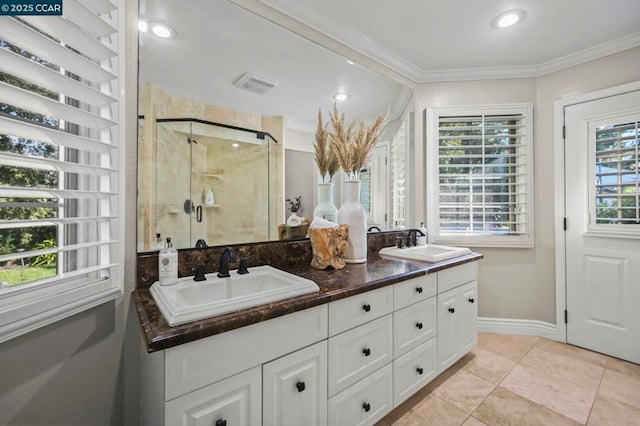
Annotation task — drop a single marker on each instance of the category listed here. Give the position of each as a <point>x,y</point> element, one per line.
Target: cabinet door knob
<point>221,422</point>
<point>419,370</point>
<point>419,289</point>
<point>300,386</point>
<point>471,300</point>
<point>366,307</point>
<point>366,407</point>
<point>366,351</point>
<point>419,325</point>
<point>452,310</point>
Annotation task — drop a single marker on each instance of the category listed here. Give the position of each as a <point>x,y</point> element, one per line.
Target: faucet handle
<point>242,269</point>
<point>199,275</point>
<point>400,241</point>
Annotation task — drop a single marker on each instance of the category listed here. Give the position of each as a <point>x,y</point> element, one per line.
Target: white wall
<point>520,283</point>
<point>83,370</point>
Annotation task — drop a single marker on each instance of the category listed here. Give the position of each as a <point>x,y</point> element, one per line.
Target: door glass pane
<point>617,198</point>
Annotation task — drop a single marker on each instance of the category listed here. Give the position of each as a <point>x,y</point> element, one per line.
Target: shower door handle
<point>199,214</point>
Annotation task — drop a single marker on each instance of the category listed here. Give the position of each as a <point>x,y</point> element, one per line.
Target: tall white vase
<point>353,214</point>
<point>326,209</point>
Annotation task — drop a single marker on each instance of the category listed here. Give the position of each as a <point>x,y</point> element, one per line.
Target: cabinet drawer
<point>414,370</point>
<point>414,290</point>
<point>205,361</point>
<point>453,277</point>
<point>365,402</point>
<point>347,313</point>
<point>295,388</point>
<point>236,400</point>
<point>359,352</point>
<point>413,325</point>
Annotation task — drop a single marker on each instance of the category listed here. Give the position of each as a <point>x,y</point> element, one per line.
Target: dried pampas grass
<point>354,148</point>
<point>325,157</point>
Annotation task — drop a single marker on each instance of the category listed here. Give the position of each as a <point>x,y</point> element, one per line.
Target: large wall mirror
<point>216,161</point>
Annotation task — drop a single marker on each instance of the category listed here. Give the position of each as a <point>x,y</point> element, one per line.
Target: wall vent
<point>254,83</point>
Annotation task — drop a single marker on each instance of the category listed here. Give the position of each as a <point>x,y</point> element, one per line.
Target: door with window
<point>602,204</point>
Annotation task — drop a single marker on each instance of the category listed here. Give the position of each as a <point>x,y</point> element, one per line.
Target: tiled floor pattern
<point>526,380</point>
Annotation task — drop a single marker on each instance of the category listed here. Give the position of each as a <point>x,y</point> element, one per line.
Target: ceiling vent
<point>254,83</point>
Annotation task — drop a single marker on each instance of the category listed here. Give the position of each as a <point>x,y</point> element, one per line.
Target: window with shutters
<point>480,176</point>
<point>60,243</point>
<point>614,163</point>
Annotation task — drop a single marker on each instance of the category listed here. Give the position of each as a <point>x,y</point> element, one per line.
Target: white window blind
<point>483,181</point>
<point>60,186</point>
<point>617,177</point>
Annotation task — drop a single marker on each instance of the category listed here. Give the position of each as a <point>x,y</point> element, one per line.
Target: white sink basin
<point>428,253</point>
<point>190,300</point>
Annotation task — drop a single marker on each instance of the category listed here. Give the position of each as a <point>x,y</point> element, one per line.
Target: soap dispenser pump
<point>168,265</point>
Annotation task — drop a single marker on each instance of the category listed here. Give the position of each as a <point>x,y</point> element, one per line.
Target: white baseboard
<point>518,326</point>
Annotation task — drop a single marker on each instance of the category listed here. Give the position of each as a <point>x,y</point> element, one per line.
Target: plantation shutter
<point>59,161</point>
<point>484,177</point>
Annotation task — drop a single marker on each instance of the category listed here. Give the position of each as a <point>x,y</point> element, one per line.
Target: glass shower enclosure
<point>214,184</point>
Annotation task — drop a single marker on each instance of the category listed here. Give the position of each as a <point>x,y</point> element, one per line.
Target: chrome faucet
<point>227,255</point>
<point>412,237</point>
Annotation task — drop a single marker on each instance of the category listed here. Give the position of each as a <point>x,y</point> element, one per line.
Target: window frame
<point>525,240</point>
<point>29,306</point>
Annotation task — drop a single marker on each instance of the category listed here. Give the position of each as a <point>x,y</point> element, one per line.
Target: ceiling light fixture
<point>508,19</point>
<point>162,30</point>
<point>235,145</point>
<point>340,97</point>
<point>143,27</point>
<point>350,62</point>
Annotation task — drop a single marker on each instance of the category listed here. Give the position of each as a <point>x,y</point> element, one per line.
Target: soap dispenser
<point>158,244</point>
<point>422,240</point>
<point>168,265</point>
<point>209,200</point>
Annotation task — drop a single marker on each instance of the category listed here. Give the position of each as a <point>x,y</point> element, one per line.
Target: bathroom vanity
<point>373,336</point>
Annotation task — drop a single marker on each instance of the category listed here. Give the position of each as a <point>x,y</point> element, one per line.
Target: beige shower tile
<point>503,407</point>
<point>489,366</point>
<point>465,390</point>
<point>628,368</point>
<point>564,368</point>
<point>608,411</point>
<point>621,387</point>
<point>544,388</point>
<point>507,346</point>
<point>573,352</point>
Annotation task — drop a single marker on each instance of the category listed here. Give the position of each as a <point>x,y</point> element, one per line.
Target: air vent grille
<point>254,83</point>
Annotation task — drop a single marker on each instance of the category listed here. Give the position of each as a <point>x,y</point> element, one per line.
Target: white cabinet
<point>232,401</point>
<point>414,370</point>
<point>364,403</point>
<point>457,324</point>
<point>413,325</point>
<point>294,388</point>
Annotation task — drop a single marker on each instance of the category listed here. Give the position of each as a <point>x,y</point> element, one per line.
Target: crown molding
<point>385,57</point>
<point>301,127</point>
<point>402,100</point>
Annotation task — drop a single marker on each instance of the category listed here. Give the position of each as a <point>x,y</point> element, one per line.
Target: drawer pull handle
<point>420,370</point>
<point>452,310</point>
<point>419,289</point>
<point>366,307</point>
<point>300,386</point>
<point>471,300</point>
<point>221,422</point>
<point>366,351</point>
<point>419,325</point>
<point>366,407</point>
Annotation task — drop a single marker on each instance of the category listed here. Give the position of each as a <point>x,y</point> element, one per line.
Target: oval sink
<point>189,300</point>
<point>428,253</point>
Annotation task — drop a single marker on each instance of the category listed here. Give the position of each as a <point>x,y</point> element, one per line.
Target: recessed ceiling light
<point>143,26</point>
<point>340,97</point>
<point>508,19</point>
<point>350,62</point>
<point>235,145</point>
<point>162,30</point>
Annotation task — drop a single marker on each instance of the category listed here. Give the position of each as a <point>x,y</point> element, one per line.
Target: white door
<point>602,161</point>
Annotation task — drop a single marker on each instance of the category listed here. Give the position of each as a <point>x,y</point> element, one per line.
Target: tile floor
<point>526,380</point>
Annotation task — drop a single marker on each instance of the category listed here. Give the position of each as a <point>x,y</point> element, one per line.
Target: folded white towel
<point>319,222</point>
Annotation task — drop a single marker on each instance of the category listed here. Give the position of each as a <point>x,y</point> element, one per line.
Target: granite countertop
<point>334,285</point>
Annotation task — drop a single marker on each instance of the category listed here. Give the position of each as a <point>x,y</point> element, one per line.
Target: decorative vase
<point>325,208</point>
<point>353,214</point>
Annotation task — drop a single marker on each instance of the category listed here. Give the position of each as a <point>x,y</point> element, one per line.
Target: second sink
<point>427,253</point>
